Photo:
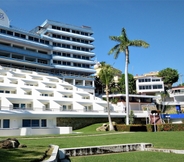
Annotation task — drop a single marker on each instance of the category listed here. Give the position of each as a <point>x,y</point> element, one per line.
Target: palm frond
<point>124,35</point>
<point>115,38</point>
<point>114,49</point>
<point>139,43</point>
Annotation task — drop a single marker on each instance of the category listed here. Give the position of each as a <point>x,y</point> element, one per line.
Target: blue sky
<point>158,22</point>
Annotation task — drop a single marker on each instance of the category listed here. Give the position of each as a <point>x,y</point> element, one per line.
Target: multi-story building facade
<point>149,83</point>
<point>53,47</point>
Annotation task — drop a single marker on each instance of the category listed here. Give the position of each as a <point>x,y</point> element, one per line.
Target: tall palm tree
<point>123,46</point>
<point>106,76</point>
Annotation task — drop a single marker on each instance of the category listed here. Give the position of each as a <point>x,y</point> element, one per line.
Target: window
<point>56,27</point>
<point>57,53</point>
<point>7,91</point>
<point>9,33</point>
<point>17,34</point>
<point>26,123</point>
<point>65,46</point>
<point>6,123</point>
<point>35,123</point>
<point>157,86</point>
<point>15,105</point>
<point>36,39</point>
<point>66,38</point>
<point>155,80</point>
<point>30,123</point>
<point>56,36</point>
<point>64,107</point>
<point>3,31</point>
<point>23,36</point>
<point>43,123</point>
<point>30,38</point>
<point>30,59</point>
<point>147,80</point>
<point>57,44</point>
<point>65,29</point>
<point>23,106</point>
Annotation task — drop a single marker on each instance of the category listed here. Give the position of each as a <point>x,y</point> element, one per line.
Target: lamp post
<point>154,122</point>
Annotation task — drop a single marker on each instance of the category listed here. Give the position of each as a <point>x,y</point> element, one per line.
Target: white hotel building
<point>46,80</point>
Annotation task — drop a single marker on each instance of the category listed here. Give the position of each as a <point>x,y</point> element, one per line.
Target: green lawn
<point>37,145</point>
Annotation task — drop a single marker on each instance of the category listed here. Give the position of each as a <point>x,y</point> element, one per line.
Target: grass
<point>37,145</point>
<point>132,157</point>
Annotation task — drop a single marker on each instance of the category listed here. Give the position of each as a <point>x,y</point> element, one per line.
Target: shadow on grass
<point>20,155</point>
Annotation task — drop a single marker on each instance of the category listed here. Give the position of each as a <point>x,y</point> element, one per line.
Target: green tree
<point>169,76</point>
<point>131,85</point>
<point>106,76</point>
<point>123,44</point>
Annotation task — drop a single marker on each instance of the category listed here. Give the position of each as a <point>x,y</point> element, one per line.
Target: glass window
<point>35,123</point>
<point>23,106</point>
<point>6,123</point>
<point>43,123</point>
<point>15,105</point>
<point>64,107</point>
<point>26,123</point>
<point>9,33</point>
<point>30,123</point>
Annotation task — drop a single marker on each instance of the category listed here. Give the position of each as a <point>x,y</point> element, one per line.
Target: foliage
<point>150,127</point>
<point>170,127</point>
<point>131,117</point>
<point>106,76</point>
<point>123,44</point>
<point>169,76</point>
<point>122,127</point>
<point>132,84</point>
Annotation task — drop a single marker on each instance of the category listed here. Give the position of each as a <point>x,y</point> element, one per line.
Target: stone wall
<point>77,123</point>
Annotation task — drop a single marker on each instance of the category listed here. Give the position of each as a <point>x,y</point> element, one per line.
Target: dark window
<point>43,123</point>
<point>30,38</point>
<point>26,123</point>
<point>36,39</point>
<point>47,42</point>
<point>9,33</point>
<point>6,123</point>
<point>54,27</point>
<point>23,36</point>
<point>30,123</point>
<point>35,123</point>
<point>17,34</point>
<point>3,31</point>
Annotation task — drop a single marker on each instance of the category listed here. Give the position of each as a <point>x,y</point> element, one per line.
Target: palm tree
<point>123,46</point>
<point>106,76</point>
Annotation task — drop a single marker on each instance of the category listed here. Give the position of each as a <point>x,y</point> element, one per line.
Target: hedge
<point>150,127</point>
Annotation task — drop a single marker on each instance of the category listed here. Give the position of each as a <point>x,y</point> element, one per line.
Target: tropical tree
<point>131,81</point>
<point>123,44</point>
<point>169,76</point>
<point>106,76</point>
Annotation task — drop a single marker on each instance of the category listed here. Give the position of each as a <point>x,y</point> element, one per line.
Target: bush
<point>150,127</point>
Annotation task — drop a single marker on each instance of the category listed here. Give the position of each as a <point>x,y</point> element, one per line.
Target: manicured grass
<point>37,145</point>
<point>132,157</point>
